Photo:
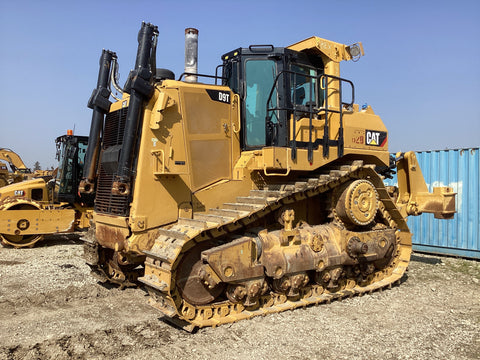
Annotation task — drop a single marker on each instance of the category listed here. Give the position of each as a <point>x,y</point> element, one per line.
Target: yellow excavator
<point>19,171</point>
<point>261,191</point>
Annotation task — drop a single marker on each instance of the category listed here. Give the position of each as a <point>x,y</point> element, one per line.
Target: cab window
<point>304,86</point>
<point>259,77</point>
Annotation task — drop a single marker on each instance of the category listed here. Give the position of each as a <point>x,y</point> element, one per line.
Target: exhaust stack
<point>191,54</point>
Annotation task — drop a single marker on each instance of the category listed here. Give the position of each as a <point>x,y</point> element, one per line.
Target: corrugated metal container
<point>459,169</point>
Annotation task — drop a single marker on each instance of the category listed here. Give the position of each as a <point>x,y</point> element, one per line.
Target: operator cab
<point>282,92</point>
<point>273,84</point>
<point>71,156</point>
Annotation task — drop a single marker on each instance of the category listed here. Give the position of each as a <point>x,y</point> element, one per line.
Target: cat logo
<point>375,138</point>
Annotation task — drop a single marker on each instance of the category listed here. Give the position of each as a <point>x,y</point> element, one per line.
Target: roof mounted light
<point>355,51</point>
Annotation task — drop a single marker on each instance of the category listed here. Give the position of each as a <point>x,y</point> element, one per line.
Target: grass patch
<point>466,267</point>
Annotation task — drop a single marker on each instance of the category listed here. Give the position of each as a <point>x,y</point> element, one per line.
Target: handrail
<point>311,110</point>
<point>236,100</point>
<point>201,75</point>
<point>288,168</point>
<point>155,153</point>
<point>216,73</point>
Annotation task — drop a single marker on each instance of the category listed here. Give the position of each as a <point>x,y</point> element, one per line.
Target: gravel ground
<point>52,307</point>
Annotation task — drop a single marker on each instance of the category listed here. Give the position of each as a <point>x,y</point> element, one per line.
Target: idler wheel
<point>358,203</point>
<point>190,275</point>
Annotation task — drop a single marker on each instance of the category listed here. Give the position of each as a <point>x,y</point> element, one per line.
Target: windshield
<point>68,171</point>
<point>260,75</point>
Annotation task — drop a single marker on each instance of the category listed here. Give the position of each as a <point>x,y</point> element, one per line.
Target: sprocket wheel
<point>20,241</point>
<point>358,204</point>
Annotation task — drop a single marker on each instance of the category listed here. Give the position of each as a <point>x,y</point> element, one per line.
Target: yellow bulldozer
<point>257,191</point>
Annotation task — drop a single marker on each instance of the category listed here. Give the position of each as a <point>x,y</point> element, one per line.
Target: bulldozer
<point>256,191</point>
<point>33,208</point>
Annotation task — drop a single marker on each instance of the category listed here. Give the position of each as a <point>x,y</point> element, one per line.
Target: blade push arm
<point>413,195</point>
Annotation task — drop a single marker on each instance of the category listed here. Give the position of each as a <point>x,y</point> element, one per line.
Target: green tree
<point>37,166</point>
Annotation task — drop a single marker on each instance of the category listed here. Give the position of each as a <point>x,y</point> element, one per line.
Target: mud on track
<point>52,307</point>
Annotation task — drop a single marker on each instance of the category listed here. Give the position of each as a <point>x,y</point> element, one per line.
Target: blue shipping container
<point>459,169</point>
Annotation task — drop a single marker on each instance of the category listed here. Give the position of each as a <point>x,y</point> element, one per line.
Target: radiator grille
<point>105,201</point>
<point>114,128</point>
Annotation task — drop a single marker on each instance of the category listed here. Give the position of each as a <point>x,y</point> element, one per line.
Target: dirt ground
<point>52,307</point>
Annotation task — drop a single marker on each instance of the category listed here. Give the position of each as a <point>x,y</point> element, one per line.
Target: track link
<point>175,241</point>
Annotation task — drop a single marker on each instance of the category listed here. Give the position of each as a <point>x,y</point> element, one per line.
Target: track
<point>174,243</point>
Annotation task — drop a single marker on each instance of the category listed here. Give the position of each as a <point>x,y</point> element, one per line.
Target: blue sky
<point>420,71</point>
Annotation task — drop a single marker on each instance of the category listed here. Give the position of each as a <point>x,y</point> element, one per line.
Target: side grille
<point>105,201</point>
